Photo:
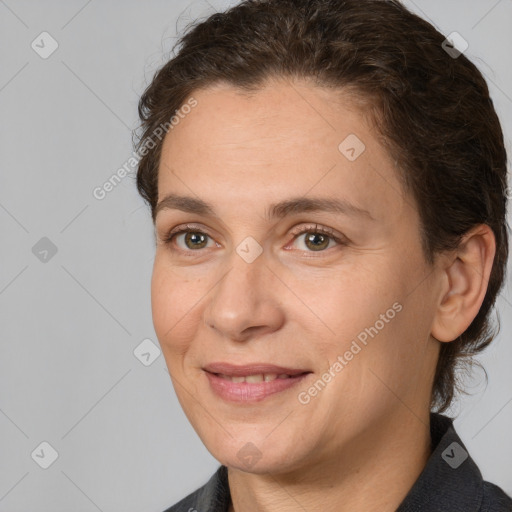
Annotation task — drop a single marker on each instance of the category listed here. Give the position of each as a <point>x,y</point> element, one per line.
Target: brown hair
<point>432,110</point>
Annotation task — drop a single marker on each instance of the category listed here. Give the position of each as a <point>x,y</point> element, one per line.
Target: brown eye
<point>316,238</point>
<point>195,240</point>
<point>316,241</point>
<point>188,239</point>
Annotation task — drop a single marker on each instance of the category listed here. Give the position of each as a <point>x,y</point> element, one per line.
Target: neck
<point>375,472</point>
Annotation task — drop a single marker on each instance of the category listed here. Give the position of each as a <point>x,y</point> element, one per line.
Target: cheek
<point>351,303</point>
<point>175,304</point>
<point>369,323</point>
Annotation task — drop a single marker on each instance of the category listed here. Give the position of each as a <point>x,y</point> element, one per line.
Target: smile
<point>260,377</point>
<point>251,383</point>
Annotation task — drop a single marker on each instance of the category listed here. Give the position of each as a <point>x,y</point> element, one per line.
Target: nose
<point>244,301</point>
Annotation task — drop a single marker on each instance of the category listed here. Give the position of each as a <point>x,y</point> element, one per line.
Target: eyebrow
<point>282,209</point>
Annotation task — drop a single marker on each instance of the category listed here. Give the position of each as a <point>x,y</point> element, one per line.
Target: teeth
<point>267,377</point>
<point>254,378</point>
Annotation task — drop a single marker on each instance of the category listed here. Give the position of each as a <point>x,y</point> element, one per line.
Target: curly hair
<point>432,110</point>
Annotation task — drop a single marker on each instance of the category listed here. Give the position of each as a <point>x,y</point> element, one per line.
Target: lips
<point>251,382</point>
<point>231,370</point>
<point>258,377</point>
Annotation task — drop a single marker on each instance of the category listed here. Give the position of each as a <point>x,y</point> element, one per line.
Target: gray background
<point>70,324</point>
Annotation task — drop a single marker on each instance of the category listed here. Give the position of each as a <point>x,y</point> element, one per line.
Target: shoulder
<point>451,480</point>
<point>214,496</point>
<point>187,504</point>
<point>494,499</point>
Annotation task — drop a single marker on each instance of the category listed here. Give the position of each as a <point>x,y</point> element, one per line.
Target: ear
<point>465,278</point>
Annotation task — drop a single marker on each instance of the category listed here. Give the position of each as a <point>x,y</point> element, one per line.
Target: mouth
<point>252,382</point>
<point>258,377</point>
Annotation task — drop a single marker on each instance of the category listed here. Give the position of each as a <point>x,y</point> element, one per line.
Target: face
<point>298,248</point>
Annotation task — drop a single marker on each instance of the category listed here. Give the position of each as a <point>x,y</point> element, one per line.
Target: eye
<point>188,238</point>
<point>317,238</point>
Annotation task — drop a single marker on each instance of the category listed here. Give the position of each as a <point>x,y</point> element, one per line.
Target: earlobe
<point>466,277</point>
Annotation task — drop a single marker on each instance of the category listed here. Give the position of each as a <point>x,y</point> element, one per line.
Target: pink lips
<point>250,369</point>
<point>219,378</point>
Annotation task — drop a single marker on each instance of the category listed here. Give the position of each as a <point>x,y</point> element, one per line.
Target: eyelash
<point>311,229</point>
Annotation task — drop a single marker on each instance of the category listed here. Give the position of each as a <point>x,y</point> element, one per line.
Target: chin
<point>256,457</point>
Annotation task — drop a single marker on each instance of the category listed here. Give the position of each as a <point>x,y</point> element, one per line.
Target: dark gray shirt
<point>450,482</point>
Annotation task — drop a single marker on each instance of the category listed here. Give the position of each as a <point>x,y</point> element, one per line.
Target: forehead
<point>284,139</point>
<point>281,114</point>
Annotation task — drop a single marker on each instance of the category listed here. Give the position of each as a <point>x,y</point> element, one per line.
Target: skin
<point>363,440</point>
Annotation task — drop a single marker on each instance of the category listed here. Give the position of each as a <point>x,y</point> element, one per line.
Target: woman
<point>327,181</point>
